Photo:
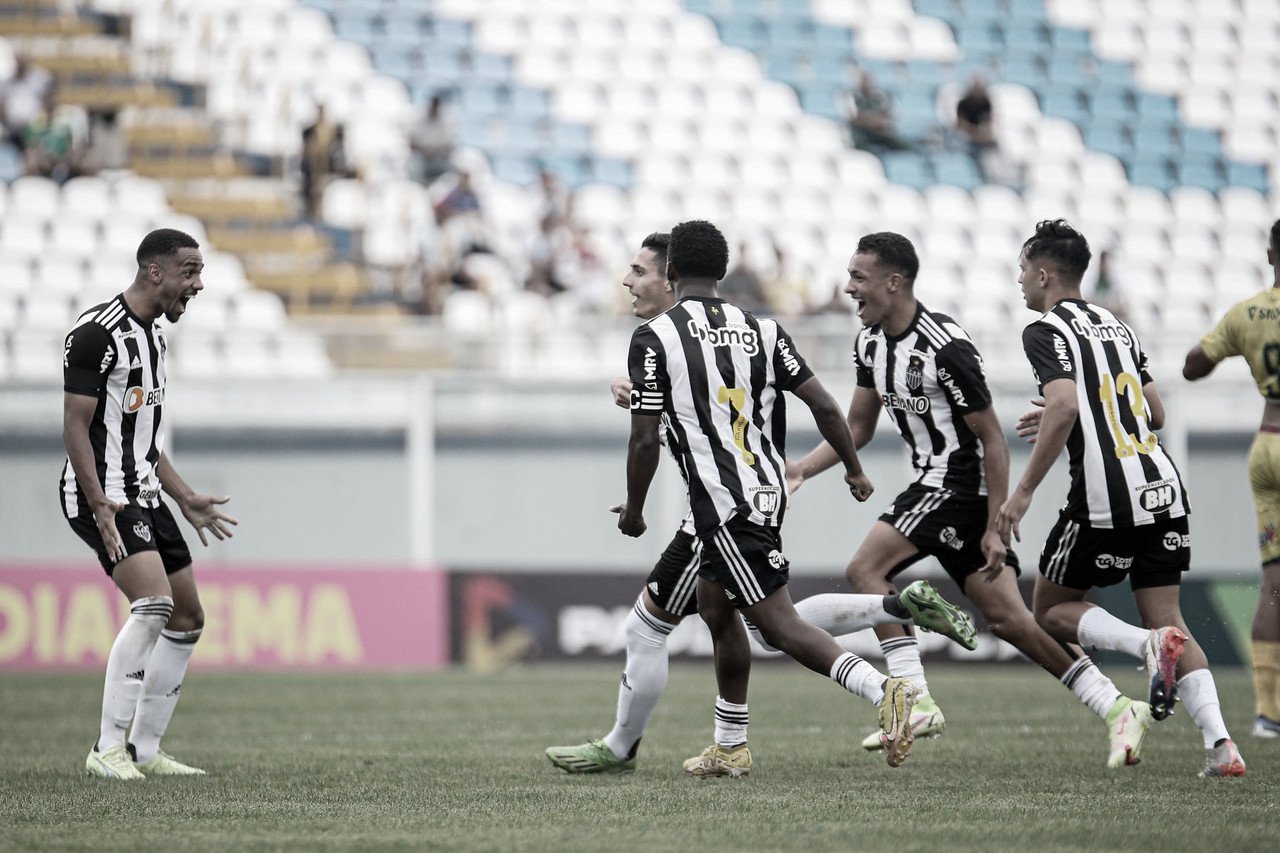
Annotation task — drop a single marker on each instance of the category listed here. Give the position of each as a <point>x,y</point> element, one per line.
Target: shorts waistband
<point>1267,428</point>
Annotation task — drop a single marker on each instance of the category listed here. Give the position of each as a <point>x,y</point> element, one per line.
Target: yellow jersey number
<point>1126,385</point>
<point>737,398</point>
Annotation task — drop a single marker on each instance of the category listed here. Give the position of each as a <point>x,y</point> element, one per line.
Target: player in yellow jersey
<point>1251,329</point>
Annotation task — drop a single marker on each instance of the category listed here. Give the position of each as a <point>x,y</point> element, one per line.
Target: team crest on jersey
<point>915,372</point>
<point>142,531</point>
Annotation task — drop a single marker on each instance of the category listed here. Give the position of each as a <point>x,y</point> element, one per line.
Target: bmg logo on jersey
<point>737,335</point>
<point>135,398</point>
<point>1173,541</point>
<point>767,500</point>
<point>1158,498</point>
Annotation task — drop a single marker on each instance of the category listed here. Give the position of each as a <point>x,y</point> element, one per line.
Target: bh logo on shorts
<point>142,531</point>
<point>1110,561</point>
<point>1174,541</point>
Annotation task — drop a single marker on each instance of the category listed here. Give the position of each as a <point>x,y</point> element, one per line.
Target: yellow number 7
<point>737,398</point>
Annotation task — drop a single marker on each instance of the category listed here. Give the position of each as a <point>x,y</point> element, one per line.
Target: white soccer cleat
<point>926,722</point>
<point>115,763</point>
<point>164,764</point>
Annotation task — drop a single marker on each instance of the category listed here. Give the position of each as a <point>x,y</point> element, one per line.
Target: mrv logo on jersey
<point>738,335</point>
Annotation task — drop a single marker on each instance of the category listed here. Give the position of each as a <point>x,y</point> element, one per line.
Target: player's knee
<point>187,619</point>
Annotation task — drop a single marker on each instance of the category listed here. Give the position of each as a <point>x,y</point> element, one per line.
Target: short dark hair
<point>164,241</point>
<point>891,250</point>
<point>1275,236</point>
<point>660,243</point>
<point>1059,242</point>
<point>698,250</point>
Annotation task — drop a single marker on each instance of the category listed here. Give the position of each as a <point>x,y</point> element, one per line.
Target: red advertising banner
<point>313,617</point>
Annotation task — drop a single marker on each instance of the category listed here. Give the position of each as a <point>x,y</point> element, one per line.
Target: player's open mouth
<point>859,305</point>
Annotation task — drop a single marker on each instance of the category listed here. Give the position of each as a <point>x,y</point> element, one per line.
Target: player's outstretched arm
<point>995,466</point>
<point>864,411</point>
<point>835,431</point>
<point>199,509</point>
<point>1198,365</point>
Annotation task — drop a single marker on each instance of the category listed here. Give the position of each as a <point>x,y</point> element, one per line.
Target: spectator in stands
<point>53,141</point>
<point>22,97</point>
<point>975,124</point>
<point>787,292</point>
<point>743,286</point>
<point>580,269</point>
<point>1106,288</point>
<point>432,140</point>
<point>108,147</point>
<point>553,197</point>
<point>321,150</point>
<point>869,112</point>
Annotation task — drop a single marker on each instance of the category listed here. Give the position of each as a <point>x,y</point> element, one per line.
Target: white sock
<point>126,666</point>
<point>643,678</point>
<point>846,613</point>
<point>1198,692</point>
<point>902,656</point>
<point>757,636</point>
<point>1094,690</point>
<point>858,677</point>
<point>731,723</point>
<point>1098,629</point>
<point>160,690</point>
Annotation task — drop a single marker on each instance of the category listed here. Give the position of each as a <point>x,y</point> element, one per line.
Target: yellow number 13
<point>1127,385</point>
<point>737,397</point>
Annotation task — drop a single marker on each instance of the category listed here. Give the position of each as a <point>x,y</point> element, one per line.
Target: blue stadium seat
<point>1064,105</point>
<point>396,60</point>
<point>979,37</point>
<point>1114,73</point>
<point>573,169</point>
<point>480,100</point>
<point>1027,10</point>
<point>570,138</point>
<point>1153,106</point>
<point>957,169</point>
<point>1026,70</point>
<point>442,69</point>
<point>1109,104</point>
<point>489,68</point>
<point>835,38</point>
<point>984,10</point>
<point>909,168</point>
<point>609,170</point>
<point>1110,138</point>
<point>1070,39</point>
<point>354,27</point>
<point>1067,68</point>
<point>1026,35</point>
<point>1198,140</point>
<point>515,169</point>
<point>1151,172</point>
<point>947,10</point>
<point>744,34</point>
<point>445,31</point>
<point>821,99</point>
<point>1200,170</point>
<point>1252,175</point>
<point>530,103</point>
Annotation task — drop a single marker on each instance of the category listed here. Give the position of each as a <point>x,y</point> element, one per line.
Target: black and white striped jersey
<point>112,355</point>
<point>716,371</point>
<point>929,378</point>
<point>1120,474</point>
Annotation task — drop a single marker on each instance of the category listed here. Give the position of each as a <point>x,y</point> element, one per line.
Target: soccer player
<point>921,368</point>
<point>1249,329</point>
<point>1126,511</point>
<point>114,431</point>
<point>716,373</point>
<point>667,597</point>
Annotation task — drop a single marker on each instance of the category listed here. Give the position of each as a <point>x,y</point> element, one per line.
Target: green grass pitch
<point>454,761</point>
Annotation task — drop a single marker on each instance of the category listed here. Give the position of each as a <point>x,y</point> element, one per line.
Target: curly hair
<point>659,242</point>
<point>893,251</point>
<point>698,250</point>
<point>1059,242</point>
<point>164,241</point>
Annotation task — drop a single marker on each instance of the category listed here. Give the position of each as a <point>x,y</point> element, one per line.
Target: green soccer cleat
<point>715,760</point>
<point>926,721</point>
<point>115,763</point>
<point>931,612</point>
<point>1127,723</point>
<point>590,757</point>
<point>164,764</point>
<point>895,719</point>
